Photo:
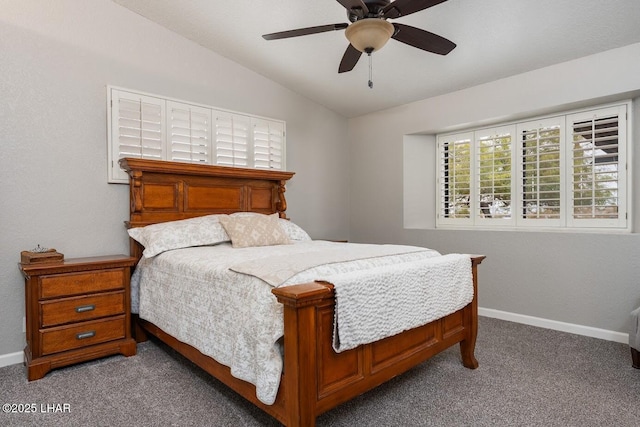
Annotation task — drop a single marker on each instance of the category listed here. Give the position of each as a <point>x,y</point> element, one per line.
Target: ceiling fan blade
<point>400,8</point>
<point>422,39</point>
<point>349,59</point>
<point>305,31</point>
<point>354,5</point>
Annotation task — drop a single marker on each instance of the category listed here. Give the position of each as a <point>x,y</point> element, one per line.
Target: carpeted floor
<point>527,377</point>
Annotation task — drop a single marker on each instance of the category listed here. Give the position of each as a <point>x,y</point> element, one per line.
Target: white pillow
<point>293,230</point>
<point>200,231</point>
<point>254,230</point>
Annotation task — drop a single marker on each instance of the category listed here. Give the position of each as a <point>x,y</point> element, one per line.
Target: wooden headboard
<point>162,191</point>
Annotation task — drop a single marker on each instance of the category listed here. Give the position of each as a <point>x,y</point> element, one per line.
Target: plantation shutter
<point>540,186</point>
<point>268,144</point>
<point>232,134</point>
<point>454,154</point>
<point>597,168</point>
<point>137,130</point>
<point>152,127</point>
<point>189,133</point>
<point>494,165</point>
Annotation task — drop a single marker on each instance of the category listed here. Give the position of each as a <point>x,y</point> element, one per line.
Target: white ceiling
<point>495,38</point>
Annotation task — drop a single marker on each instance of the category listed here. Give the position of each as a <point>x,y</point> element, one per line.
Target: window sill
<point>537,229</point>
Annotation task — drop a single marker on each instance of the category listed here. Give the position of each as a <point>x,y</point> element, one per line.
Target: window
<point>494,183</point>
<point>455,179</point>
<point>189,130</point>
<point>541,181</point>
<point>152,127</point>
<point>268,144</point>
<point>568,171</point>
<point>232,139</point>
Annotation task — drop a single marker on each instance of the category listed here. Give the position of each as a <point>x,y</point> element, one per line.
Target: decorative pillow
<point>254,230</point>
<point>200,231</point>
<point>294,232</point>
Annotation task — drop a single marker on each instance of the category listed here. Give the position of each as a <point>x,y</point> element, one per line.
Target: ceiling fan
<point>369,29</point>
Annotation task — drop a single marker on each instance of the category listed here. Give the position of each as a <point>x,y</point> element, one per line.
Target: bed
<point>315,378</point>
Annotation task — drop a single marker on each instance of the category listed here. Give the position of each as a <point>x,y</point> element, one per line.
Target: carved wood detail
<point>166,191</point>
<point>282,201</point>
<point>315,378</point>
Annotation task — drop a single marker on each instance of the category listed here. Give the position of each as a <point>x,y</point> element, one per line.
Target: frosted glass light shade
<point>369,33</point>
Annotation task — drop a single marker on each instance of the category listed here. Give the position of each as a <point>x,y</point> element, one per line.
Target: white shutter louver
<point>268,144</point>
<point>494,161</point>
<point>137,130</point>
<point>568,171</point>
<point>152,127</point>
<point>455,178</point>
<point>189,129</point>
<point>540,174</point>
<point>598,167</point>
<point>231,139</point>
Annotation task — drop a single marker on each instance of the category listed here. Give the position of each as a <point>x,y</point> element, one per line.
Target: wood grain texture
<point>76,310</point>
<point>81,308</point>
<point>315,378</point>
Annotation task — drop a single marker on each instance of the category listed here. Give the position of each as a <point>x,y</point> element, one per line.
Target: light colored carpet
<point>527,377</point>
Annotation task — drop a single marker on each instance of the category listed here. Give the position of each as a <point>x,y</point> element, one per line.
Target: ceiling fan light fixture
<point>370,34</point>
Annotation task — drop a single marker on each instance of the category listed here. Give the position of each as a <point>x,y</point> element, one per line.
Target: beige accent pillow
<point>293,231</point>
<point>254,230</point>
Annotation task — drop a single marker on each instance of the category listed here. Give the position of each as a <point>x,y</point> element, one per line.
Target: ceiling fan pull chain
<point>370,71</point>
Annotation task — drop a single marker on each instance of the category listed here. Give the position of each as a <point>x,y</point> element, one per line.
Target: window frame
<point>544,123</point>
<point>443,176</point>
<point>491,134</point>
<point>623,165</point>
<point>210,147</point>
<point>517,221</point>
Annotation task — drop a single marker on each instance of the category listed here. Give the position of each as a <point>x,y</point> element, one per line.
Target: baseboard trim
<point>11,359</point>
<point>555,325</point>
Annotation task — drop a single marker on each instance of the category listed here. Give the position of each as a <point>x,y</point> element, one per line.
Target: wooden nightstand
<point>76,310</point>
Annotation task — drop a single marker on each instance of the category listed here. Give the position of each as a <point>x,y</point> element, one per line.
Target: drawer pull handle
<point>85,308</point>
<point>83,335</point>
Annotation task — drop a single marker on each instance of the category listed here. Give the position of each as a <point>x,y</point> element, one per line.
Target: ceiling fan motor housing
<point>375,10</point>
<point>369,30</point>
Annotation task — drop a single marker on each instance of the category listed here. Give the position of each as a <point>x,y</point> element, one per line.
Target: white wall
<point>585,279</point>
<point>56,59</point>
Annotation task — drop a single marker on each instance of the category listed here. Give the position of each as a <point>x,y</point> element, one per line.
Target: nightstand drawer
<point>76,310</point>
<point>81,283</point>
<point>63,338</point>
<point>79,309</point>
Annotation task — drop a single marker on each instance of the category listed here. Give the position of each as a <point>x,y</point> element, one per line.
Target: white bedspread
<point>415,293</point>
<point>234,318</point>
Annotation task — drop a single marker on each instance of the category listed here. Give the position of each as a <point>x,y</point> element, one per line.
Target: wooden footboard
<point>315,378</point>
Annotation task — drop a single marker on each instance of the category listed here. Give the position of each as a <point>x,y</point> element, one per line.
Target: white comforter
<point>234,318</point>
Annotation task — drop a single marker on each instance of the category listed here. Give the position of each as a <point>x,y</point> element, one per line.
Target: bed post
<point>468,345</point>
<point>300,348</point>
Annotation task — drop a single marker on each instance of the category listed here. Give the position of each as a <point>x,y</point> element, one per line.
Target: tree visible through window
<point>494,176</point>
<point>595,168</point>
<point>563,171</point>
<point>456,179</point>
<point>541,186</point>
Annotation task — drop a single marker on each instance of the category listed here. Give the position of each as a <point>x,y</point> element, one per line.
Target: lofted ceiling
<point>495,39</point>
